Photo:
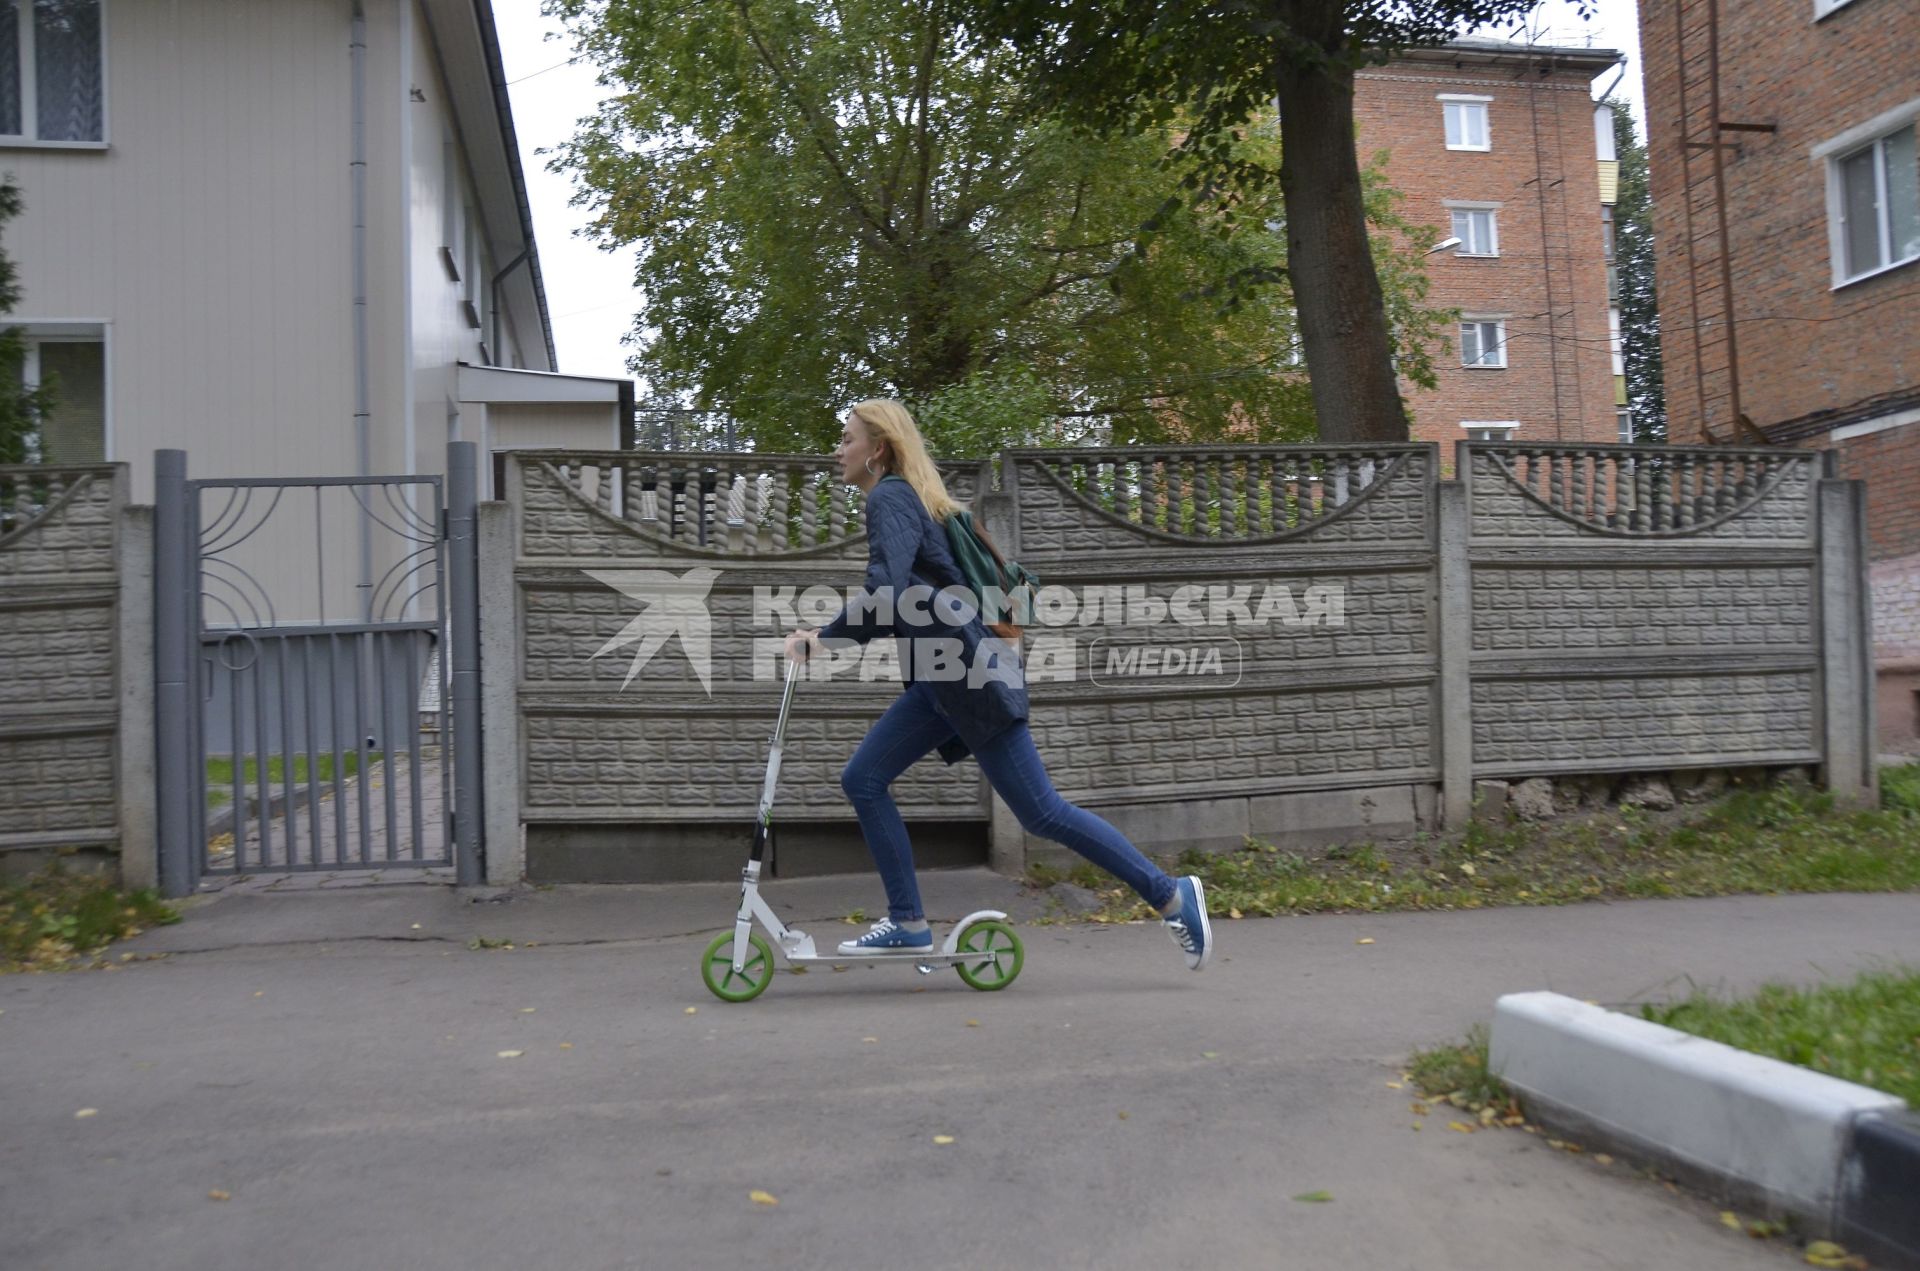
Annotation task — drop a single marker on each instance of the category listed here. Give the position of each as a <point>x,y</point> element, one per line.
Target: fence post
<point>1454,575</point>
<point>174,749</point>
<point>1846,640</point>
<point>464,616</point>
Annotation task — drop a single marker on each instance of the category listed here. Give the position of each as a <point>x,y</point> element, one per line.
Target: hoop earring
<point>870,471</point>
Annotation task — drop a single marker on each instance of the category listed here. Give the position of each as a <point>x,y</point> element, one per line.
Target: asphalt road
<point>338,1072</point>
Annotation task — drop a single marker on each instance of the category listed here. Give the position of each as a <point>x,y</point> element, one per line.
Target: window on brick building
<point>1874,199</point>
<point>1623,422</point>
<point>1466,118</point>
<point>1478,229</point>
<point>1483,342</point>
<point>1490,430</point>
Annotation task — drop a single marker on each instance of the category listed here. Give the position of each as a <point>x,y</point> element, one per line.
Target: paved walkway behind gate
<point>370,1091</point>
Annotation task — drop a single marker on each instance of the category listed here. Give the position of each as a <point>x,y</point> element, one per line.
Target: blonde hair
<point>889,421</point>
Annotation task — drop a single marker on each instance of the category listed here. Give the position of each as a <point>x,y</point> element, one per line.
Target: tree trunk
<point>1336,292</point>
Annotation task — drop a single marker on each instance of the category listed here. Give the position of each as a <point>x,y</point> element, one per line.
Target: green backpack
<point>982,566</point>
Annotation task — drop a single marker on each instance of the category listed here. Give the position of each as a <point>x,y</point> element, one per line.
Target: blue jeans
<point>911,727</point>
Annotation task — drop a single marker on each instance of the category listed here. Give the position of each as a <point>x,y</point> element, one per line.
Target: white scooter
<point>738,965</point>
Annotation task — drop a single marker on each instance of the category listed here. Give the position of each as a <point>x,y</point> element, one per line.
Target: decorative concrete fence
<point>1382,639</point>
<point>76,722</point>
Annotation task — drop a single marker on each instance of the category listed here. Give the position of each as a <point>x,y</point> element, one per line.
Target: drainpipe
<point>494,296</point>
<point>362,392</point>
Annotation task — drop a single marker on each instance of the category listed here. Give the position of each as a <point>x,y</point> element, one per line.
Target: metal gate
<point>317,673</point>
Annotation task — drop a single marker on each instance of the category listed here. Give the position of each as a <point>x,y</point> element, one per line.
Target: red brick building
<point>1805,319</point>
<point>1495,144</point>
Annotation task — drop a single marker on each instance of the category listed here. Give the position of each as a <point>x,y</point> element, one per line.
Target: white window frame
<point>1496,320</point>
<point>36,332</point>
<point>1613,342</point>
<point>1603,139</point>
<point>1830,152</point>
<point>1465,100</point>
<point>1493,227</point>
<point>30,91</point>
<point>1623,415</point>
<point>1507,426</point>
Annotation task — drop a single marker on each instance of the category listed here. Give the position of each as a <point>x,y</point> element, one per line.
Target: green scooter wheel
<point>729,985</point>
<point>995,956</point>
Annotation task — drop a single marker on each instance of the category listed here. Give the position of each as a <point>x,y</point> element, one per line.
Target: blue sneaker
<point>1189,926</point>
<point>888,938</point>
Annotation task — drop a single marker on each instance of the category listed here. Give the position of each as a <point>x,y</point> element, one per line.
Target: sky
<point>590,292</point>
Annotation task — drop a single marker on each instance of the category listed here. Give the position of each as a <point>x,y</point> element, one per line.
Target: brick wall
<point>59,705</point>
<point>1684,637</point>
<point>1804,346</point>
<point>1542,170</point>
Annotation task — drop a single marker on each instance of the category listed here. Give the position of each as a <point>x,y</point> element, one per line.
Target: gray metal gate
<point>317,673</point>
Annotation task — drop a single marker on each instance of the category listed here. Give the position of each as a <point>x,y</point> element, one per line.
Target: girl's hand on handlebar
<point>801,644</point>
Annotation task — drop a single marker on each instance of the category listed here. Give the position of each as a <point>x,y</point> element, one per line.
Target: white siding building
<point>290,237</point>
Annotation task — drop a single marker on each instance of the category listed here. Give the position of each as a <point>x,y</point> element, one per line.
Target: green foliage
<point>55,915</point>
<point>1900,789</point>
<point>1125,69</point>
<point>21,408</point>
<point>1459,1072</point>
<point>1639,303</point>
<point>1865,1031</point>
<point>827,201</point>
<point>1780,839</point>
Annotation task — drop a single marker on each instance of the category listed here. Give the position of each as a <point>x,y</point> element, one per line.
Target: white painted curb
<point>1768,1127</point>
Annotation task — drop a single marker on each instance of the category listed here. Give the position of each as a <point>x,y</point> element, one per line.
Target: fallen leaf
<point>692,1010</point>
<point>1601,1158</point>
<point>1209,1054</point>
<point>1825,1253</point>
<point>528,1010</point>
<point>261,993</point>
<point>1467,869</point>
<point>416,926</point>
<point>1416,1125</point>
<point>1314,1198</point>
<point>943,1139</point>
<point>217,1194</point>
<point>86,1112</point>
<point>1233,913</point>
<point>511,1054</point>
<point>566,1045</point>
<point>1364,940</point>
<point>973,1023</point>
<point>840,968</point>
<point>1394,1085</point>
<point>1123,1116</point>
<point>1461,1126</point>
<point>869,1039</point>
<point>759,1197</point>
<point>1419,1109</point>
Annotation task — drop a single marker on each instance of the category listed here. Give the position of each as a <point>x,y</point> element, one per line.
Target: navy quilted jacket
<point>905,547</point>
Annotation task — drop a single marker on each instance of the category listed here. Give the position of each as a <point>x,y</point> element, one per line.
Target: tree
<point>21,408</point>
<point>1121,67</point>
<point>1639,303</point>
<point>834,198</point>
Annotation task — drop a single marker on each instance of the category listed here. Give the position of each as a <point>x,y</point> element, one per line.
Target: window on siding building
<point>1466,119</point>
<point>52,77</point>
<point>1478,230</point>
<point>75,365</point>
<point>1875,195</point>
<point>1483,342</point>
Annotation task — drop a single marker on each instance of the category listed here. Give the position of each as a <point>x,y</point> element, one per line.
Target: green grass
<point>220,773</point>
<point>1458,1072</point>
<point>1758,840</point>
<point>1866,1031</point>
<point>55,915</point>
